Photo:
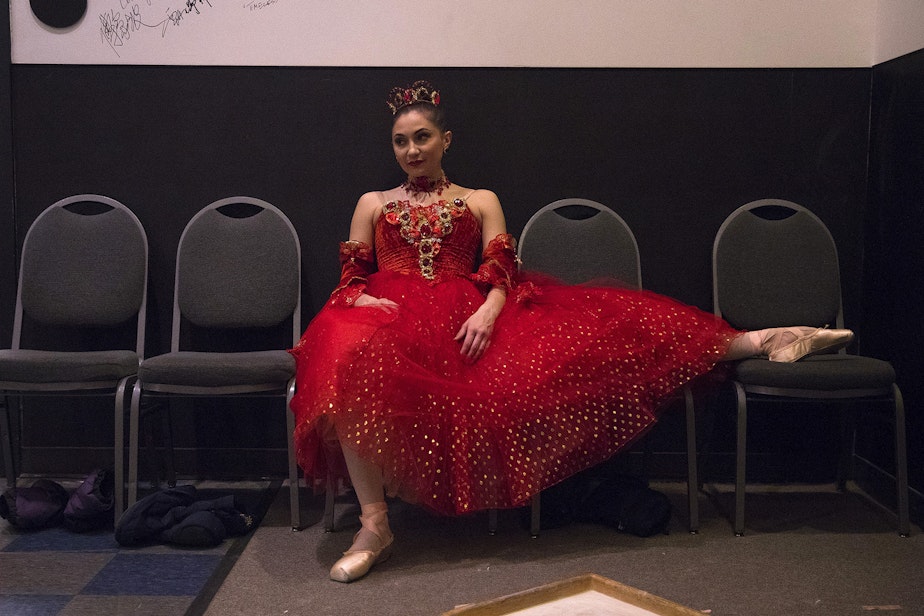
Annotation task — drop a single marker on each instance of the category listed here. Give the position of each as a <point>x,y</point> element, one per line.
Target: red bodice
<point>435,242</point>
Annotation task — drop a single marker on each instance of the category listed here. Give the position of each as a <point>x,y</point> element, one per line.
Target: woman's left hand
<point>475,333</point>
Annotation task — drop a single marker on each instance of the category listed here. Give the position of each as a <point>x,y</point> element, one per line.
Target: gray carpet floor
<point>807,550</point>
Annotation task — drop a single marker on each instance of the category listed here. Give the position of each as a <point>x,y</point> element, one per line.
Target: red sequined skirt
<point>571,377</point>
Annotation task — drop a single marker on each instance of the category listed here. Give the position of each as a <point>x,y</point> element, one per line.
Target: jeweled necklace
<point>423,185</point>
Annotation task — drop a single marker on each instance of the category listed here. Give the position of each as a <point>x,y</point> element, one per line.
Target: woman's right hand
<point>375,302</point>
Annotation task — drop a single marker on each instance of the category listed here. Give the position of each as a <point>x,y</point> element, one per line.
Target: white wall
<point>899,28</point>
<point>580,33</point>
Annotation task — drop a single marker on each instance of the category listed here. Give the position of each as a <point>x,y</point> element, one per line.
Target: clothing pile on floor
<point>177,516</point>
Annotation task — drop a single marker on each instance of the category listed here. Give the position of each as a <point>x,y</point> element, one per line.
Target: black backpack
<point>627,504</point>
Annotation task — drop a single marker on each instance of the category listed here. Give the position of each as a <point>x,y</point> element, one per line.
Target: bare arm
<point>475,333</point>
<point>362,226</point>
<point>362,229</point>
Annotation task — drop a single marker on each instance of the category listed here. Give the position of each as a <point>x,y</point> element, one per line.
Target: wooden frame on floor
<point>586,594</point>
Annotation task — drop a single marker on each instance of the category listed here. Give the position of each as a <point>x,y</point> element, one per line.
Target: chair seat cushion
<point>44,367</point>
<point>820,372</point>
<point>198,369</point>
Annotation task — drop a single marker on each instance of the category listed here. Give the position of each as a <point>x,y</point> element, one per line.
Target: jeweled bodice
<point>436,241</point>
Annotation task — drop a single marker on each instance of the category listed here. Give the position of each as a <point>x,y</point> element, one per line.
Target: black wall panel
<point>673,151</point>
<point>894,231</point>
<point>7,215</point>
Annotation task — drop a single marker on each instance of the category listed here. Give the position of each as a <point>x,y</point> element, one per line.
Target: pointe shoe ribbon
<point>815,341</point>
<point>356,563</point>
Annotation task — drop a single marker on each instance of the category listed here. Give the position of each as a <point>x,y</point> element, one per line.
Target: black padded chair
<point>775,264</point>
<point>238,278</point>
<point>579,241</point>
<point>80,313</point>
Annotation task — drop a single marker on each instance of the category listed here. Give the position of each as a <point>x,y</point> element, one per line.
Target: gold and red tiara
<point>418,92</point>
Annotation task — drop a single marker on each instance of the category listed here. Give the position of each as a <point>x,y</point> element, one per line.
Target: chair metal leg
<point>534,517</point>
<point>492,522</point>
<point>535,511</point>
<point>294,504</point>
<point>6,432</point>
<point>133,419</point>
<point>901,464</point>
<point>692,474</point>
<point>847,448</point>
<point>157,467</point>
<point>741,457</point>
<point>647,456</point>
<point>166,426</point>
<point>118,450</point>
<point>329,496</point>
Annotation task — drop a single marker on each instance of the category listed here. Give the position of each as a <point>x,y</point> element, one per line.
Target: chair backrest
<point>84,264</point>
<point>774,263</point>
<point>238,266</point>
<point>577,240</point>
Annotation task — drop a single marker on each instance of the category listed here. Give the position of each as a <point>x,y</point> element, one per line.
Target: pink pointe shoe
<point>356,563</point>
<point>807,341</point>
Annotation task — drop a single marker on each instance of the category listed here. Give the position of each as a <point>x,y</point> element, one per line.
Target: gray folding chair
<point>775,264</point>
<point>238,273</point>
<point>578,241</point>
<point>82,281</point>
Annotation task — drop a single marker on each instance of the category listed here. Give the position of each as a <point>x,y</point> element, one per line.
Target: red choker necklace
<point>422,185</point>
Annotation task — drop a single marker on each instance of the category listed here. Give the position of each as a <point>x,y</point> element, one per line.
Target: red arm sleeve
<point>499,268</point>
<point>356,265</point>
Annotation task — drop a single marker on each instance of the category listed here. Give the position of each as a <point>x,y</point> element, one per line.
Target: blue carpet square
<point>32,605</point>
<point>154,575</point>
<point>62,540</point>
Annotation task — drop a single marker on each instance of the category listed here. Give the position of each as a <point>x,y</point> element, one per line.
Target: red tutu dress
<point>572,375</point>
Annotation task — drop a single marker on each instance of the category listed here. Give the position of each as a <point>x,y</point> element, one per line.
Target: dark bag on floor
<point>91,506</point>
<point>627,504</point>
<point>622,502</point>
<point>37,506</point>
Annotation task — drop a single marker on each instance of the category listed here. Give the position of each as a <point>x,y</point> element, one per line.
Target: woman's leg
<point>366,478</point>
<point>371,543</point>
<point>787,344</point>
<point>746,345</point>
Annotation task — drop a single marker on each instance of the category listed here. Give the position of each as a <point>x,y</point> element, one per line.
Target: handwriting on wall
<point>134,20</point>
